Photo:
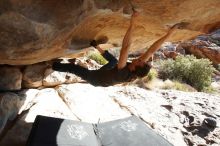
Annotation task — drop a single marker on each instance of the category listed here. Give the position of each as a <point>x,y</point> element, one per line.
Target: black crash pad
<point>132,131</point>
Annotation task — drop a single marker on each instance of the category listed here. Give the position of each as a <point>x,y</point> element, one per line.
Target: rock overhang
<point>36,31</point>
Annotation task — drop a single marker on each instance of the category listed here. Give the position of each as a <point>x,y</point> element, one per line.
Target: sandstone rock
<point>48,103</point>
<point>213,37</point>
<point>168,50</point>
<point>53,78</point>
<point>216,86</point>
<point>88,63</point>
<point>193,107</point>
<point>171,54</point>
<point>36,31</point>
<point>203,49</point>
<point>33,75</point>
<point>91,104</point>
<point>216,35</point>
<point>10,106</point>
<point>28,96</point>
<point>11,78</point>
<point>18,134</point>
<point>168,46</point>
<point>198,107</point>
<point>14,104</point>
<point>177,116</point>
<point>45,102</point>
<point>159,118</point>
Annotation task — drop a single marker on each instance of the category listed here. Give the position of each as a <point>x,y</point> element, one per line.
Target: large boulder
<point>28,104</point>
<point>48,103</point>
<point>35,31</point>
<point>183,118</point>
<point>91,104</point>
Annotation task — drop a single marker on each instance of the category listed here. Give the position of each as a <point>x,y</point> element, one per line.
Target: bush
<point>152,74</point>
<point>196,72</point>
<point>97,57</point>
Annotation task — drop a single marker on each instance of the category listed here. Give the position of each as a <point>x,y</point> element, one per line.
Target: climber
<point>117,71</point>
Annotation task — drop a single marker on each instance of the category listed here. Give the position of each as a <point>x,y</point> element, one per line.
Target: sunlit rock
<point>53,78</point>
<point>35,31</point>
<point>91,104</point>
<point>48,103</point>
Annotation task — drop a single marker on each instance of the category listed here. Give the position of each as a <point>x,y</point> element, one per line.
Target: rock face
<point>203,46</point>
<point>35,31</point>
<point>202,49</point>
<point>13,104</point>
<point>47,102</point>
<point>33,75</point>
<point>14,136</point>
<point>10,105</point>
<point>184,119</point>
<point>40,75</point>
<point>93,106</point>
<point>53,78</point>
<point>11,78</point>
<point>44,102</point>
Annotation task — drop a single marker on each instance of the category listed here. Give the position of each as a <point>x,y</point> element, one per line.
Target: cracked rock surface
<point>183,118</point>
<point>35,31</point>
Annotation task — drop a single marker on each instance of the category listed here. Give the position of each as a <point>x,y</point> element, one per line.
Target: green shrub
<point>196,72</point>
<point>152,74</point>
<point>97,57</point>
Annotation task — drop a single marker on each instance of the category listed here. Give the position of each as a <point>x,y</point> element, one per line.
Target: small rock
<point>191,119</point>
<point>210,122</point>
<point>168,107</point>
<point>216,36</point>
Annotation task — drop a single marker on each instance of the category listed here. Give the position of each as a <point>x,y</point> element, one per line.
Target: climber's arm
<point>156,45</point>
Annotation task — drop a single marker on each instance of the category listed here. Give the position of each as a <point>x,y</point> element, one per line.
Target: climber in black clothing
<point>116,71</point>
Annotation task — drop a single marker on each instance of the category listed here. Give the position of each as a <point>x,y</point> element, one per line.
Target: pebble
<point>211,122</point>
